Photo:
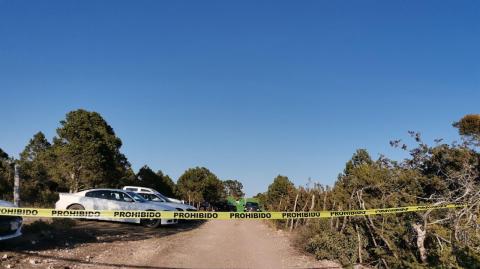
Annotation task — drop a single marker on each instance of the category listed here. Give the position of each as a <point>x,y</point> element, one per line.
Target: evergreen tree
<point>199,184</point>
<point>88,153</point>
<point>279,192</point>
<point>469,127</point>
<point>234,188</point>
<point>35,162</point>
<point>6,176</point>
<point>158,181</point>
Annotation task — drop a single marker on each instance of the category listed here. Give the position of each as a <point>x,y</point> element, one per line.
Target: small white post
<point>16,187</point>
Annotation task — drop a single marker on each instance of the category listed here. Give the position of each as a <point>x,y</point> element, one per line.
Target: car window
<point>120,196</point>
<point>136,197</point>
<point>162,196</point>
<point>151,197</point>
<point>146,196</point>
<point>131,189</point>
<point>91,194</point>
<point>98,194</point>
<point>155,198</point>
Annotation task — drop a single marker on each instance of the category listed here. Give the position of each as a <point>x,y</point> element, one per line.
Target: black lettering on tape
<point>291,215</point>
<point>250,215</point>
<point>12,211</point>
<point>347,213</point>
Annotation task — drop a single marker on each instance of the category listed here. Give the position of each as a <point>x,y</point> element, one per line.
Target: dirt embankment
<point>213,244</point>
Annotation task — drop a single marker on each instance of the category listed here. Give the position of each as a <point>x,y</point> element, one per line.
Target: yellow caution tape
<point>204,215</point>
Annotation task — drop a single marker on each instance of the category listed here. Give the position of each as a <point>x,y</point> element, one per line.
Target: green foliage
<point>158,181</point>
<point>87,152</point>
<point>233,188</point>
<point>199,184</point>
<point>6,176</point>
<point>319,239</point>
<point>467,257</point>
<point>213,190</point>
<point>469,126</point>
<point>3,155</point>
<point>261,197</point>
<point>361,157</point>
<point>36,160</point>
<point>441,174</point>
<point>279,192</point>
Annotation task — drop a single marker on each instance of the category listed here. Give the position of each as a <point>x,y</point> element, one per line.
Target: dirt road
<point>214,244</point>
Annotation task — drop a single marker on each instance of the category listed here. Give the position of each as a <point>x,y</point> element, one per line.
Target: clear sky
<point>249,89</point>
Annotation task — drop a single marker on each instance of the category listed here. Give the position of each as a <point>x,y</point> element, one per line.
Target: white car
<point>10,226</point>
<point>113,199</point>
<point>154,196</point>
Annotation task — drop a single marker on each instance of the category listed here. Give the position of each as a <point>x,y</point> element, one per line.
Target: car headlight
<point>14,225</point>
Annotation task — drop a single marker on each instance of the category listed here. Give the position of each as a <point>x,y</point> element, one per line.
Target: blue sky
<point>249,89</point>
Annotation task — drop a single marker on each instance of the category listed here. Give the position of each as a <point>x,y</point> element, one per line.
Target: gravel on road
<point>213,244</point>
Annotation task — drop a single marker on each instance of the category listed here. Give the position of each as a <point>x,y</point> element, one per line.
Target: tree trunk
<point>294,209</point>
<point>74,186</point>
<point>303,210</point>
<point>360,260</point>
<point>421,235</point>
<point>331,219</point>
<point>311,206</point>
<point>337,219</point>
<point>345,219</point>
<point>325,201</point>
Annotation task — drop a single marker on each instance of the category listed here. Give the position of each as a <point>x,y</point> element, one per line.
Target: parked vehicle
<point>113,199</point>
<point>10,226</point>
<point>205,206</point>
<point>252,207</point>
<point>224,206</point>
<point>154,196</point>
<point>150,190</point>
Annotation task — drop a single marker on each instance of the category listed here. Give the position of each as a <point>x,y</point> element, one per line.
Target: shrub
<point>317,238</point>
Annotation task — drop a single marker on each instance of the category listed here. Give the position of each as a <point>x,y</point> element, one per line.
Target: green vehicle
<point>245,204</point>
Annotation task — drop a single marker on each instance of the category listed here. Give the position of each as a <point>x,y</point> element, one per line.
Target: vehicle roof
<point>102,189</point>
<point>140,189</point>
<point>151,191</point>
<point>6,203</point>
<point>137,187</point>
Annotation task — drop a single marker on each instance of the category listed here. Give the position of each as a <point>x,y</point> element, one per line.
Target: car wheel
<point>76,207</point>
<point>151,223</point>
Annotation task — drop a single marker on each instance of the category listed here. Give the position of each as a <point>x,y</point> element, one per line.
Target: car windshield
<point>162,196</point>
<point>152,197</point>
<point>136,197</point>
<point>252,204</point>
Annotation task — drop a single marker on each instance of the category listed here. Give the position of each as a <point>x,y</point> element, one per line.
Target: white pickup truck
<point>114,199</point>
<point>154,196</point>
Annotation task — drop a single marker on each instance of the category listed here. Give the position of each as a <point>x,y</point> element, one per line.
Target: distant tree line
<point>434,175</point>
<point>86,154</point>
